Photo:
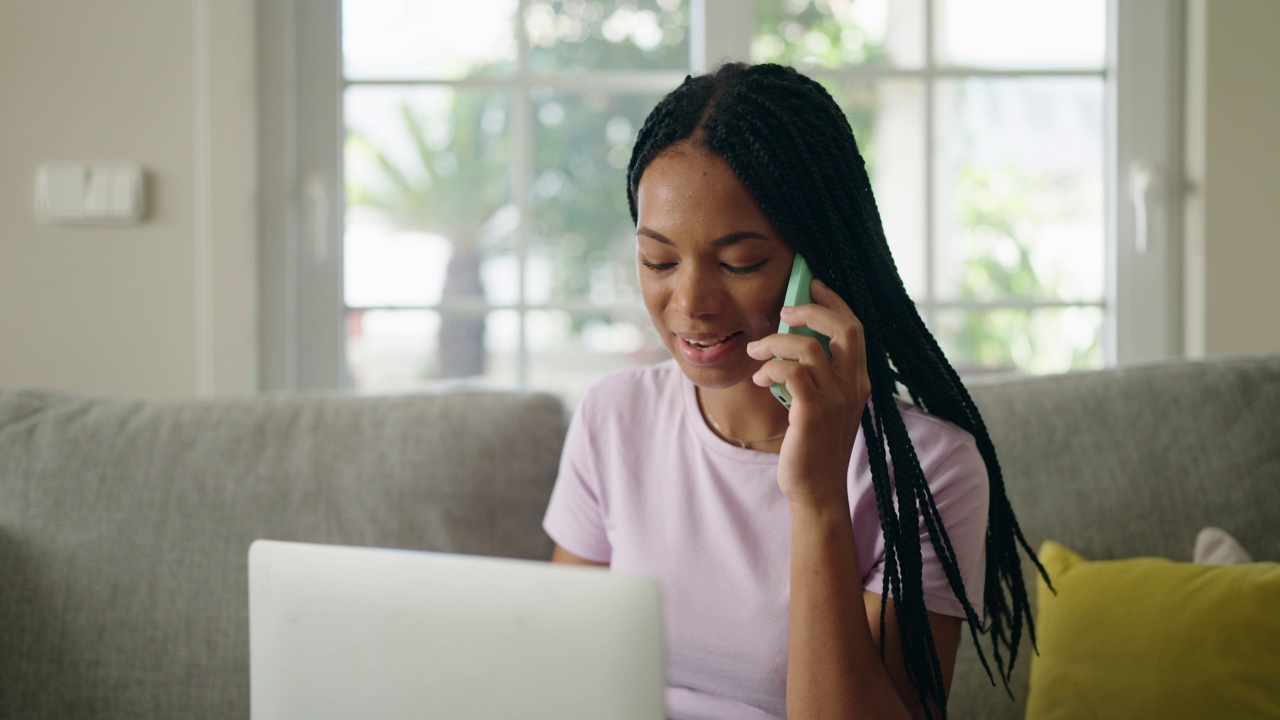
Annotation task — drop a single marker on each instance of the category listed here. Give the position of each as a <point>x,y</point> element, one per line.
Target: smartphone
<point>798,294</point>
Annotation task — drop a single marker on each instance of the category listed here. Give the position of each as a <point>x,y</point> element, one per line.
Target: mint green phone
<point>798,294</point>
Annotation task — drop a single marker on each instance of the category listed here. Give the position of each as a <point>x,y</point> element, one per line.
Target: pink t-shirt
<point>647,487</point>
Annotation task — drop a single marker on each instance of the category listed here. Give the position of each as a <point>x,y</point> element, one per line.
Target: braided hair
<point>792,147</point>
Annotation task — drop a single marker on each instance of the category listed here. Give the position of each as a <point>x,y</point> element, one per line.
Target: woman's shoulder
<point>935,439</point>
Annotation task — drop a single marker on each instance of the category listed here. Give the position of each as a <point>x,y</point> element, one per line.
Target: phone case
<point>798,294</point>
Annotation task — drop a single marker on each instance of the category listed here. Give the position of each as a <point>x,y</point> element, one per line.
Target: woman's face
<point>713,268</point>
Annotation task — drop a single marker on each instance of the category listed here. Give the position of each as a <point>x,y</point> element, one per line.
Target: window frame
<point>302,314</point>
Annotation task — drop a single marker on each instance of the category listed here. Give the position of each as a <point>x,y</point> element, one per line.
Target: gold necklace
<point>742,443</point>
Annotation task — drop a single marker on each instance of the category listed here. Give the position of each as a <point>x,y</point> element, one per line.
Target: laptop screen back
<point>346,632</point>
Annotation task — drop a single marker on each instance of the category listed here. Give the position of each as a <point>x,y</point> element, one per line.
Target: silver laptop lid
<point>354,632</point>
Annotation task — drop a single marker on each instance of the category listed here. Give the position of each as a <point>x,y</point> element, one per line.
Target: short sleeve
<point>957,478</point>
<point>962,495</point>
<point>575,517</point>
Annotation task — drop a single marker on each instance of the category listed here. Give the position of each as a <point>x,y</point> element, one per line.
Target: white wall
<point>167,306</point>
<point>1232,223</point>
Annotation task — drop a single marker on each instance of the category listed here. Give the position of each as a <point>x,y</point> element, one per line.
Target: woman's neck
<point>745,414</point>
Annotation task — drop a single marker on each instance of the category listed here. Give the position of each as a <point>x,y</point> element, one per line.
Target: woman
<point>817,561</point>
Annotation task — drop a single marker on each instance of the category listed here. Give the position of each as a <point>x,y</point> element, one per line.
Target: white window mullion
<point>720,31</point>
<point>522,183</point>
<point>930,171</point>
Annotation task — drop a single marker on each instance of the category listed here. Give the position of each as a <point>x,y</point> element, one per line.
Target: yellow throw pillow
<point>1152,638</point>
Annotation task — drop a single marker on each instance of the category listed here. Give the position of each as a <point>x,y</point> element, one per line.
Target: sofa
<point>125,523</point>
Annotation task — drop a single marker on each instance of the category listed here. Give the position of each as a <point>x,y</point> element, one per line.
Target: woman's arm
<point>834,668</point>
<point>560,555</point>
<point>946,637</point>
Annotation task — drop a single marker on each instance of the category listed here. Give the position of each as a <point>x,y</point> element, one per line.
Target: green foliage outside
<point>581,224</point>
<point>812,33</point>
<point>996,211</point>
<point>594,35</point>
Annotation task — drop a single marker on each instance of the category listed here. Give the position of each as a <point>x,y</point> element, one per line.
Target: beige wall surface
<point>165,306</point>
<point>1233,169</point>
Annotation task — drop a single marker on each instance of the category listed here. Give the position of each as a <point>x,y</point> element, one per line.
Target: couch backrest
<point>124,525</point>
<point>1132,462</point>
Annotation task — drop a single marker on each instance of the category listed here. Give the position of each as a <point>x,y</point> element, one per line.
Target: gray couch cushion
<point>1132,462</point>
<point>124,525</point>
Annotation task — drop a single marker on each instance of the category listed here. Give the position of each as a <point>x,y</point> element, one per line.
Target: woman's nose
<point>697,292</point>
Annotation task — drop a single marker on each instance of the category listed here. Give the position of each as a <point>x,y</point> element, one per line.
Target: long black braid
<point>789,143</point>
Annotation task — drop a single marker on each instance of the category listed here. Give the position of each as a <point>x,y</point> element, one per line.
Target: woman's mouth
<point>705,349</point>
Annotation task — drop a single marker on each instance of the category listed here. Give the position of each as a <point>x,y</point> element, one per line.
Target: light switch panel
<point>89,194</point>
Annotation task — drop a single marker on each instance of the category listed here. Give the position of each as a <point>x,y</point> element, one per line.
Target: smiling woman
<point>800,578</point>
<point>712,266</point>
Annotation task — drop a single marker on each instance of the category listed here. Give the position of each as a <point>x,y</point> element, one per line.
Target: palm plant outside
<point>457,183</point>
<point>454,185</point>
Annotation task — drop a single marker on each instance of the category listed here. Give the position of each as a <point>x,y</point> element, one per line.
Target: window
<point>985,148</point>
<point>486,233</point>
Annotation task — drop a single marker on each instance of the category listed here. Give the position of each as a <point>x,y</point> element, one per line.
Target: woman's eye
<point>743,269</point>
<point>657,267</point>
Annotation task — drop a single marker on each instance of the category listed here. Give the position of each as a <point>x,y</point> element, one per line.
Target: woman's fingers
<point>817,397</point>
<point>799,362</point>
<point>828,315</point>
<point>784,372</point>
<point>793,360</point>
<point>787,346</point>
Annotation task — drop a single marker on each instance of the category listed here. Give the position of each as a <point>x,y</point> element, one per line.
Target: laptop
<point>357,632</point>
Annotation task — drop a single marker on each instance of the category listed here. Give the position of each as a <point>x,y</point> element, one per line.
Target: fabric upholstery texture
<point>125,525</point>
<point>1127,463</point>
<point>1148,637</point>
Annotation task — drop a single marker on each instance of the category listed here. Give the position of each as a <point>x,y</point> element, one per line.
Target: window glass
<point>429,193</point>
<point>1039,340</point>
<point>415,39</point>
<point>401,350</point>
<point>839,33</point>
<point>569,36</point>
<point>1021,34</point>
<point>583,242</point>
<point>569,351</point>
<point>486,200</point>
<point>1020,196</point>
<point>887,117</point>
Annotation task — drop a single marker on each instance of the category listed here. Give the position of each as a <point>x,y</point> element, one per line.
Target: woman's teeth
<point>705,346</point>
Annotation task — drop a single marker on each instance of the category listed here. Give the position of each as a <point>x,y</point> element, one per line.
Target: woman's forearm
<point>833,663</point>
